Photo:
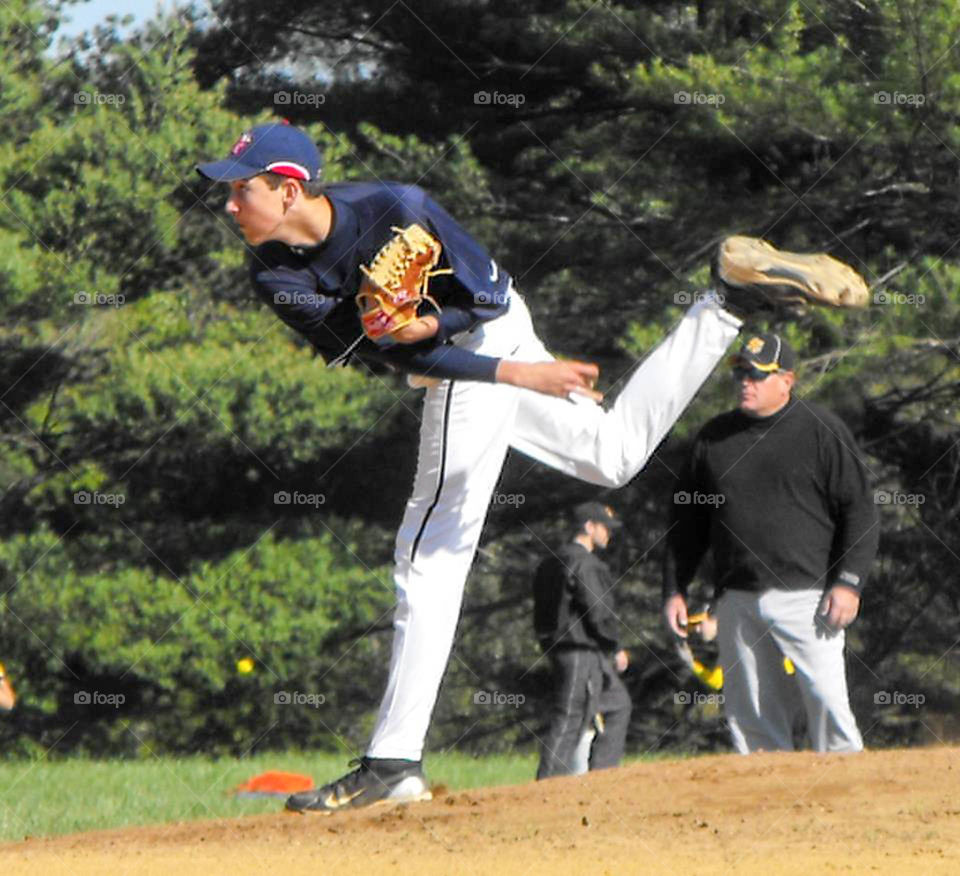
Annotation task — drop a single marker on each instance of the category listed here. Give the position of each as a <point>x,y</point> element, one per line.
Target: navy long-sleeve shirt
<point>313,289</point>
<point>782,501</point>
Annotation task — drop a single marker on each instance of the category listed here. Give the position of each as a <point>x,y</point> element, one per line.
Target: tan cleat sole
<point>386,802</point>
<point>752,263</point>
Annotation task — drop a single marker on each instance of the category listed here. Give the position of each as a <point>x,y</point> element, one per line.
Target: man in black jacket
<point>578,630</point>
<point>777,491</point>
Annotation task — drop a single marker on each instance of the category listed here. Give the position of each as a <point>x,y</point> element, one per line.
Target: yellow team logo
<point>755,345</point>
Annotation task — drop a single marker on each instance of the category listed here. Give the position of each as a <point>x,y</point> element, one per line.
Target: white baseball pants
<point>755,632</point>
<point>466,429</point>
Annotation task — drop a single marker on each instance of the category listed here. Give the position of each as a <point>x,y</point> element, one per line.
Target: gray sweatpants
<point>755,632</point>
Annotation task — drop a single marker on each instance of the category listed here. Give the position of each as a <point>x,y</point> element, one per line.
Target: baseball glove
<point>396,282</point>
<point>712,678</point>
<point>706,626</point>
<point>747,267</point>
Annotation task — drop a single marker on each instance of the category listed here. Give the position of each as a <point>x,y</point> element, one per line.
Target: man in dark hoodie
<point>779,493</point>
<point>578,630</point>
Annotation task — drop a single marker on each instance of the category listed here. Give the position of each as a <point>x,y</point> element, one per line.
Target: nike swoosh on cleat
<point>334,801</point>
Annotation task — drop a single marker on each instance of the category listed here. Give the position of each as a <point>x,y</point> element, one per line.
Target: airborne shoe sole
<point>753,265</point>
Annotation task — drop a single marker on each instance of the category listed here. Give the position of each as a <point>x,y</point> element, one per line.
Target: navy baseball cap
<point>596,512</point>
<point>767,353</point>
<point>277,147</point>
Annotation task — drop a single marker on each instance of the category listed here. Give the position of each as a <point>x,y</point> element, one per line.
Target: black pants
<point>586,682</point>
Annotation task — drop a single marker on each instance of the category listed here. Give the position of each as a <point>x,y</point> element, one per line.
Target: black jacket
<point>573,601</point>
<point>783,502</point>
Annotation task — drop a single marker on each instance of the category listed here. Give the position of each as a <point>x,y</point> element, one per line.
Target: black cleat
<point>375,781</point>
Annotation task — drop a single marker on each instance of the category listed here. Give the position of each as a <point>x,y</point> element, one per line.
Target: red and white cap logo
<point>245,140</point>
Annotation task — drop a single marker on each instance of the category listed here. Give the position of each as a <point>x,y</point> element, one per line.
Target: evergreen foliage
<point>153,414</point>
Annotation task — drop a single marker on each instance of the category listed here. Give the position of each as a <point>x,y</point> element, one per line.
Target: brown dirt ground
<point>892,812</point>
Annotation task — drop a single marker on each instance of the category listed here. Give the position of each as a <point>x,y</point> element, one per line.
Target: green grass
<point>42,798</point>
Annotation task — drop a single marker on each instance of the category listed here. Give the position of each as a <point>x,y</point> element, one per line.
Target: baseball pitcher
<point>380,271</point>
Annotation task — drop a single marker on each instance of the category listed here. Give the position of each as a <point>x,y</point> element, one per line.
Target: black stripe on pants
<point>578,679</point>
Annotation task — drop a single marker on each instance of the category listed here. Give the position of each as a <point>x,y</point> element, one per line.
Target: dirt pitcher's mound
<point>892,812</point>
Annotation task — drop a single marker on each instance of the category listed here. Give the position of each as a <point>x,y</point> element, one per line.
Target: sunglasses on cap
<point>745,371</point>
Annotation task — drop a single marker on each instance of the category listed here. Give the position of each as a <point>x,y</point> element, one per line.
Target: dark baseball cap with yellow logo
<point>767,353</point>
